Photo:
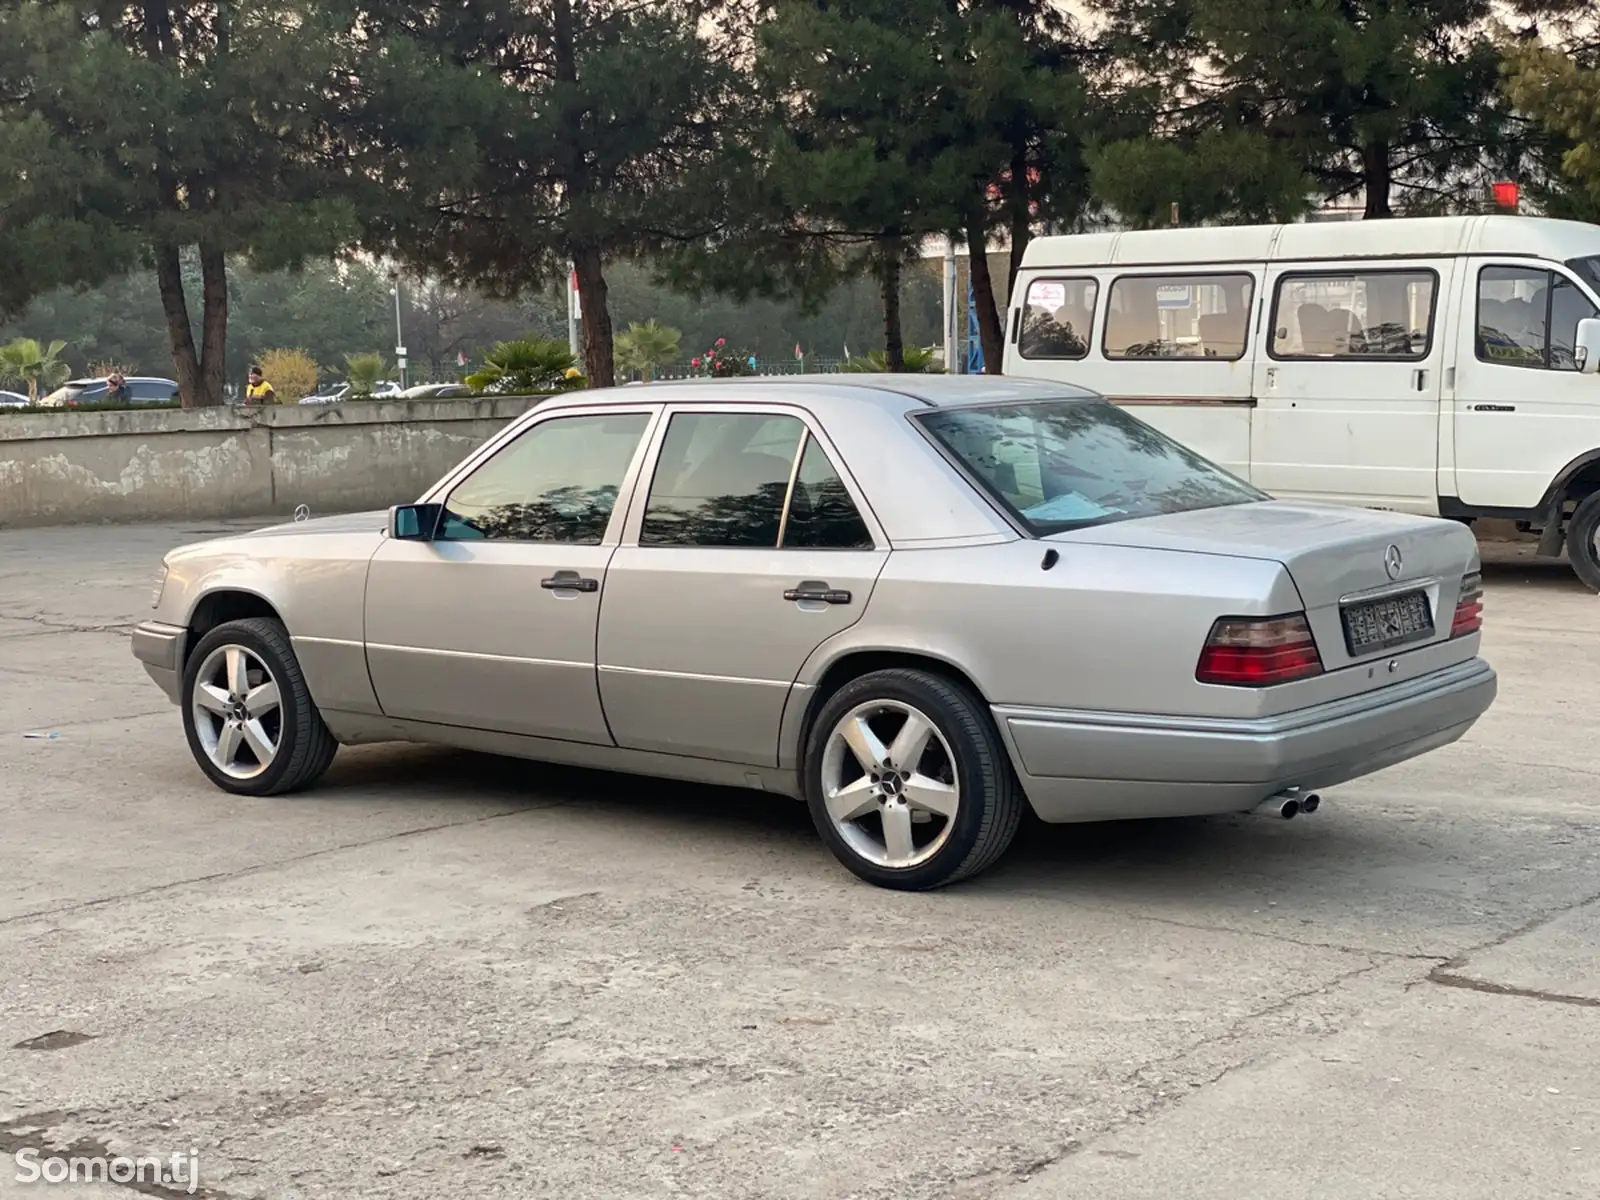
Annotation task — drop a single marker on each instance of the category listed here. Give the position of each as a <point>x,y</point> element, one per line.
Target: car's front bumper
<point>160,648</point>
<point>1088,766</point>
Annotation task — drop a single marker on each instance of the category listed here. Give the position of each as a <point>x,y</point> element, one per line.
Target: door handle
<point>817,591</point>
<point>1419,379</point>
<point>569,581</point>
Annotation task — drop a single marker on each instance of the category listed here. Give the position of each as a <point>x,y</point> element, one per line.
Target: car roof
<point>888,390</point>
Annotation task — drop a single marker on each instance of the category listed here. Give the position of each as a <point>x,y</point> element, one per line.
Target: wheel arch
<point>221,604</point>
<point>852,663</point>
<point>1578,479</point>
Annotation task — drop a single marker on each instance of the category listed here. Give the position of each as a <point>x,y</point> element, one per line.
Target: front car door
<point>1522,411</point>
<point>751,549</point>
<point>1347,393</point>
<point>491,624</point>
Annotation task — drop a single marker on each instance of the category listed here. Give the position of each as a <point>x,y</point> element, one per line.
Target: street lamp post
<point>399,336</point>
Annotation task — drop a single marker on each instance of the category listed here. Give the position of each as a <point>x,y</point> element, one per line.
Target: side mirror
<point>1586,346</point>
<point>416,522</point>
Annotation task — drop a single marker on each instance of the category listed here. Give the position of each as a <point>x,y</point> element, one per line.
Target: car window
<point>1056,318</point>
<point>1529,318</point>
<point>822,515</point>
<point>721,479</point>
<point>150,392</point>
<point>557,482</point>
<point>1354,314</point>
<point>1178,316</point>
<point>1063,464</point>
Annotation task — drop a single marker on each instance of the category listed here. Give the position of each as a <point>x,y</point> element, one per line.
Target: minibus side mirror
<point>1586,346</point>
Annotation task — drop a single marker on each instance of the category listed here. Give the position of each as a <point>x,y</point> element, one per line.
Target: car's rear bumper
<point>1089,766</point>
<point>160,648</point>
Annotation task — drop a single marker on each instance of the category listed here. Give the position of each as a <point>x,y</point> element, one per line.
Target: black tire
<point>991,803</point>
<point>1581,550</point>
<point>305,746</point>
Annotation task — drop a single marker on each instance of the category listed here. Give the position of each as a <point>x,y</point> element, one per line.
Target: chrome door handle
<point>818,592</point>
<point>569,581</point>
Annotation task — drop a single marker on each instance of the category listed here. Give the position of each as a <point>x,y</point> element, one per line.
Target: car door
<point>1347,392</point>
<point>491,624</point>
<point>1521,410</point>
<point>752,547</point>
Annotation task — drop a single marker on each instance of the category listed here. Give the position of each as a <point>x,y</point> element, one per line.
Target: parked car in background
<point>13,400</point>
<point>920,603</point>
<point>142,389</point>
<point>341,391</point>
<point>436,391</point>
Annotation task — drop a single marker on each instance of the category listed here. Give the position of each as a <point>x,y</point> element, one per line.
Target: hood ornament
<point>302,512</point>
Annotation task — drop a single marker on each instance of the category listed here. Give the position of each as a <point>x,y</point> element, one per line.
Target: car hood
<point>361,522</point>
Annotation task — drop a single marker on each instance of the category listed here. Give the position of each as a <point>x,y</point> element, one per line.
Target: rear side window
<point>822,515</point>
<point>721,479</point>
<point>1357,315</point>
<point>1178,316</point>
<point>1062,464</point>
<point>1057,318</point>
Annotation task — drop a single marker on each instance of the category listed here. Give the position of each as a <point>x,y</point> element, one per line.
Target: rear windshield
<point>1068,464</point>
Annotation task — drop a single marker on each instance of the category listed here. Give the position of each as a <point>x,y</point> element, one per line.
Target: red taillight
<point>1258,651</point>
<point>1469,608</point>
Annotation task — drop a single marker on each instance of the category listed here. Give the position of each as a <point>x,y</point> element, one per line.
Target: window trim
<point>441,492</point>
<point>1094,312</point>
<point>812,429</point>
<point>1284,277</point>
<point>1202,273</point>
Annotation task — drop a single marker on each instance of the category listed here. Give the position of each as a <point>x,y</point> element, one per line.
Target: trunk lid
<point>1337,558</point>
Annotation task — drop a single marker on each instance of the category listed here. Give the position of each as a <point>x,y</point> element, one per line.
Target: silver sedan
<point>918,603</point>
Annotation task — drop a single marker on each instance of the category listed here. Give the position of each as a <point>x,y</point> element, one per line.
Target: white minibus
<point>1444,366</point>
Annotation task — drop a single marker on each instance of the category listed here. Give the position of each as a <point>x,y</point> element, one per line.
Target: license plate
<point>1375,625</point>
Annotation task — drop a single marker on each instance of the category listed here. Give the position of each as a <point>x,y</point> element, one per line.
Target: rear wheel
<point>908,782</point>
<point>248,715</point>
<point>1583,542</point>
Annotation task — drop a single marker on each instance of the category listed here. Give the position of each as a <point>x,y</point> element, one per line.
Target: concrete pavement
<point>443,973</point>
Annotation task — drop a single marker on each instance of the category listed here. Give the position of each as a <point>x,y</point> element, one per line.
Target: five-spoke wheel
<point>908,782</point>
<point>249,716</point>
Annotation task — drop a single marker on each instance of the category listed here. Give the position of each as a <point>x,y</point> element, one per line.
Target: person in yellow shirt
<point>259,391</point>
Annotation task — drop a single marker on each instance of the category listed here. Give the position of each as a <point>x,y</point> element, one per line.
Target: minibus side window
<point>1057,318</point>
<point>1529,318</point>
<point>1354,314</point>
<point>1178,316</point>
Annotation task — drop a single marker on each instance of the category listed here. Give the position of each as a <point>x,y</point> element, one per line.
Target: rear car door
<point>751,548</point>
<point>491,624</point>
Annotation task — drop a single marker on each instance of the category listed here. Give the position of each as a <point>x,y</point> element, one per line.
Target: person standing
<point>258,390</point>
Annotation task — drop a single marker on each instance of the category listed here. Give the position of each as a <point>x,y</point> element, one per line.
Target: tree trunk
<point>894,345</point>
<point>598,348</point>
<point>180,334</point>
<point>213,324</point>
<point>991,331</point>
<point>1021,214</point>
<point>1375,169</point>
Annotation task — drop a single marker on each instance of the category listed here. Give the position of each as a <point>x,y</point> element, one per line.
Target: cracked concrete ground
<point>447,974</point>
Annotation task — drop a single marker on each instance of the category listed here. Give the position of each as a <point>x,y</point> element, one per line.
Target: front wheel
<point>908,782</point>
<point>248,715</point>
<point>1583,542</point>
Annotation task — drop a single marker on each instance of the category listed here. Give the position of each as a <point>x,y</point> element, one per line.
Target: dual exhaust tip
<point>1290,804</point>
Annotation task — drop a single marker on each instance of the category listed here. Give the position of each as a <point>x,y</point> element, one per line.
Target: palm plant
<point>646,346</point>
<point>366,372</point>
<point>40,367</point>
<point>527,366</point>
<point>923,360</point>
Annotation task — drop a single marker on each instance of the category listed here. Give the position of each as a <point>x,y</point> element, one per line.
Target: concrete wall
<point>67,467</point>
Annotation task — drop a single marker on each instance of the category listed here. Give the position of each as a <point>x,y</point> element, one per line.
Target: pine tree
<point>154,132</point>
